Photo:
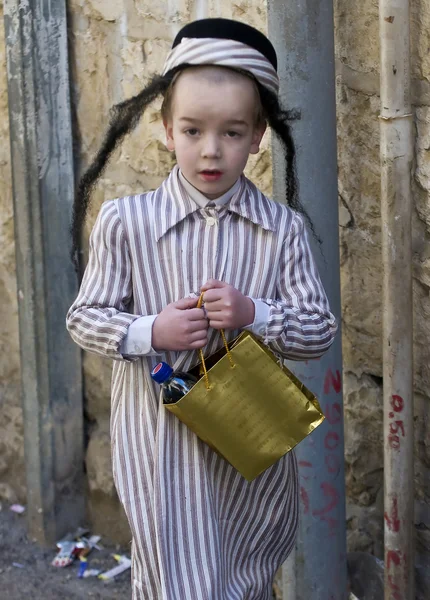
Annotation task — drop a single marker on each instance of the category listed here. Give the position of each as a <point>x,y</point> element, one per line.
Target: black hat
<point>228,29</point>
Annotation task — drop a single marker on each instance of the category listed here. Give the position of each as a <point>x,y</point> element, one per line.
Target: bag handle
<point>201,355</point>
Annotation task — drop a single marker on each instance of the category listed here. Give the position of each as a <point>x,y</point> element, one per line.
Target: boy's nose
<point>211,148</point>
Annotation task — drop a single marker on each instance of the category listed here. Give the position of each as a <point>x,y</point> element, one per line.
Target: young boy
<point>200,531</point>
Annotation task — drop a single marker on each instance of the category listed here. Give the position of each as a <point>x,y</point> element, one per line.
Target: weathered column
<point>302,32</point>
<point>42,169</point>
<point>396,212</point>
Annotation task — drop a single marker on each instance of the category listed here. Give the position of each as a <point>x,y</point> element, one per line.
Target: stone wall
<point>357,54</point>
<point>12,477</point>
<point>114,46</point>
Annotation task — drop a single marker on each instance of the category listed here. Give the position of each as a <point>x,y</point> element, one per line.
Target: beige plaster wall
<point>114,46</point>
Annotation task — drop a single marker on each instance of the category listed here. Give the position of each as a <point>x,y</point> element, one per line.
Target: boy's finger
<point>201,343</point>
<point>212,295</point>
<point>215,306</point>
<point>202,325</point>
<point>198,335</point>
<point>217,324</point>
<point>213,283</point>
<point>196,314</point>
<point>185,303</point>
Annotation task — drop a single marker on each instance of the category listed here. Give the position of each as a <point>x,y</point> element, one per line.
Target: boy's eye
<point>192,131</point>
<point>233,134</point>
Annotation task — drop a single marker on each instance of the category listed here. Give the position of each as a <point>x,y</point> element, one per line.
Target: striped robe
<point>200,531</point>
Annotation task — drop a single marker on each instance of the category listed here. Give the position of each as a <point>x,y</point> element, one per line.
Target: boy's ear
<point>168,128</point>
<point>257,136</point>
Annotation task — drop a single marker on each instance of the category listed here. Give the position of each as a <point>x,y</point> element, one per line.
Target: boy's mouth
<point>211,174</point>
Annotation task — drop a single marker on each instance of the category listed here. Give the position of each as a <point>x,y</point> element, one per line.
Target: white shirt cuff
<point>261,319</point>
<point>138,341</point>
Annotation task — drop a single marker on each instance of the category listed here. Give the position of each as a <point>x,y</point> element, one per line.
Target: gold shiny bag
<point>248,407</point>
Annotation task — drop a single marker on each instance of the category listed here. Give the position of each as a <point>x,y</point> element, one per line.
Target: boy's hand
<point>180,326</point>
<point>226,307</point>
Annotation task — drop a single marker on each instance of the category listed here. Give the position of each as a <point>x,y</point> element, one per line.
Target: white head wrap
<point>224,53</point>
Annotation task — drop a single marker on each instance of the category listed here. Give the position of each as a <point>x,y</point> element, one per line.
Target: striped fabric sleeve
<point>98,320</point>
<point>300,324</point>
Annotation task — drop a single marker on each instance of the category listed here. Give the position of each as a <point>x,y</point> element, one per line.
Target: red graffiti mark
<point>332,494</point>
<point>395,426</point>
<point>394,589</point>
<point>392,520</point>
<point>397,403</point>
<point>332,381</point>
<point>332,525</point>
<point>394,441</point>
<point>305,499</point>
<point>393,437</point>
<point>392,557</point>
<point>332,463</point>
<point>333,413</point>
<point>331,440</point>
<point>305,463</point>
<point>395,594</point>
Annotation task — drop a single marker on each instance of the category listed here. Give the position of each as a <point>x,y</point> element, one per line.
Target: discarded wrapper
<point>124,564</point>
<point>75,545</point>
<point>91,573</point>
<point>93,541</point>
<point>82,567</point>
<point>66,555</point>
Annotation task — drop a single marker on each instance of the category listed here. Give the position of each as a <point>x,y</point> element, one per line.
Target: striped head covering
<point>226,43</point>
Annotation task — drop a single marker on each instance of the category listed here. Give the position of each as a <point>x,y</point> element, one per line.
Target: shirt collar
<point>201,199</point>
<point>172,204</point>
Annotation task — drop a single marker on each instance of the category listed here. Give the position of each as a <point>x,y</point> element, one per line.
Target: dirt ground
<point>26,571</point>
<point>34,577</point>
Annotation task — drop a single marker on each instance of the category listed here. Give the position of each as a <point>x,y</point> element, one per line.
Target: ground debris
<point>38,580</point>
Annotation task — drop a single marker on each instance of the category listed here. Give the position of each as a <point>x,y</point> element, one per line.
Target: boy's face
<point>212,127</point>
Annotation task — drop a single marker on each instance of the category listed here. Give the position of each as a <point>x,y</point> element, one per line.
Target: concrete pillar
<point>397,155</point>
<point>43,182</point>
<point>302,33</point>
